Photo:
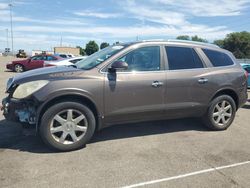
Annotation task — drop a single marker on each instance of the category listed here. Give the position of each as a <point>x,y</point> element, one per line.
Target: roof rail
<point>153,40</point>
<point>193,42</point>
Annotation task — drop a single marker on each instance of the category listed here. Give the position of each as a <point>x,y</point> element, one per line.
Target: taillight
<point>246,74</point>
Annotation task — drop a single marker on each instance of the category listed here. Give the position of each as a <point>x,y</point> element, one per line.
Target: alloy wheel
<point>18,68</point>
<point>222,113</point>
<point>68,126</point>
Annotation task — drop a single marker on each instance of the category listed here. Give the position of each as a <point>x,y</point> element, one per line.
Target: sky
<point>41,25</point>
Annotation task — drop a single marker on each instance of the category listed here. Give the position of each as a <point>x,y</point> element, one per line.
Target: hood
<point>48,73</point>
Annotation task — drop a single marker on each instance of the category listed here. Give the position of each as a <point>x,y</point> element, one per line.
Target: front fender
<point>46,100</point>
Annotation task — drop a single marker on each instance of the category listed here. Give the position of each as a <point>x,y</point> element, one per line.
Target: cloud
<point>149,13</point>
<point>4,17</point>
<point>206,8</point>
<point>147,19</point>
<point>129,32</point>
<point>3,6</point>
<point>89,13</point>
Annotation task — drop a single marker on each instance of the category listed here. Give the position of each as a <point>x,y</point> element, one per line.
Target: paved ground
<point>129,154</point>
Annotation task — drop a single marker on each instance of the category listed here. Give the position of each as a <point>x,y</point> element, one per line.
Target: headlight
<point>28,88</point>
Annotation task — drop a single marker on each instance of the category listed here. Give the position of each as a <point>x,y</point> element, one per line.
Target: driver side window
<point>143,59</point>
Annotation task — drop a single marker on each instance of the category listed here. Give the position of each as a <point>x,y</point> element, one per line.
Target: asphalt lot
<point>129,154</point>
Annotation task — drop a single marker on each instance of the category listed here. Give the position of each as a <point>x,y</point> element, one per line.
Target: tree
<point>116,43</point>
<point>198,39</point>
<point>219,43</point>
<point>192,38</point>
<point>104,45</point>
<point>82,51</point>
<point>91,47</point>
<point>238,43</point>
<point>183,37</point>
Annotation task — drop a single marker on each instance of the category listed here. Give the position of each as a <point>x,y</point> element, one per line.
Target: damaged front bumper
<point>19,110</point>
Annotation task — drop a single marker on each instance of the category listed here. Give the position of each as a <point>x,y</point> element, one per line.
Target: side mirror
<point>118,65</point>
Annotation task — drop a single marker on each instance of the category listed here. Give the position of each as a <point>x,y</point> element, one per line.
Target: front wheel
<point>67,126</point>
<point>221,113</point>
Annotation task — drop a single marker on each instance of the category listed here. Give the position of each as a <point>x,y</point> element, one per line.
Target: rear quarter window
<point>218,59</point>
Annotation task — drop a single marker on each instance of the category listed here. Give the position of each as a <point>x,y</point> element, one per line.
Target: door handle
<point>202,80</point>
<point>157,84</point>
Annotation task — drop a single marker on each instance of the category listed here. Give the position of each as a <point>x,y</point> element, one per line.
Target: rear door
<point>188,85</point>
<point>136,94</point>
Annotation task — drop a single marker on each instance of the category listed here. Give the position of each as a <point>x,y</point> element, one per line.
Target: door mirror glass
<point>118,65</point>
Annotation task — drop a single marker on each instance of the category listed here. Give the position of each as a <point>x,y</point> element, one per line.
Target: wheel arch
<point>230,92</point>
<point>73,98</point>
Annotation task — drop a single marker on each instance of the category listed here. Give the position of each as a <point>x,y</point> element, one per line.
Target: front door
<point>36,62</point>
<point>136,94</point>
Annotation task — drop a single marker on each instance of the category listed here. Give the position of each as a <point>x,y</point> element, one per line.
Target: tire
<point>19,68</point>
<point>62,140</point>
<point>219,118</point>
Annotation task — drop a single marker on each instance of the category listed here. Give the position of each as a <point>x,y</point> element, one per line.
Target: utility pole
<point>11,29</point>
<point>7,38</point>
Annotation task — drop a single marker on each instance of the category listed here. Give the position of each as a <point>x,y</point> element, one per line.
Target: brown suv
<point>132,82</point>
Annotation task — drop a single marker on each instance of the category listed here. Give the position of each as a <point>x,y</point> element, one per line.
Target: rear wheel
<point>19,68</point>
<point>67,126</point>
<point>221,113</point>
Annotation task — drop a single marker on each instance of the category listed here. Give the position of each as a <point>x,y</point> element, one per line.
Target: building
<point>67,50</point>
<point>37,52</point>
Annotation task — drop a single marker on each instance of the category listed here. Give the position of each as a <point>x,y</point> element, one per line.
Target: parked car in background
<point>64,62</point>
<point>63,55</point>
<point>124,83</point>
<point>246,67</point>
<point>33,62</point>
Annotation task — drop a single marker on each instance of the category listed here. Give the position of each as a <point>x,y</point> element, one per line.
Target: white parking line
<point>186,175</point>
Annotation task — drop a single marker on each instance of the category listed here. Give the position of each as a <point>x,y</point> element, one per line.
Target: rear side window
<point>63,55</point>
<point>218,59</point>
<point>51,58</point>
<point>182,58</point>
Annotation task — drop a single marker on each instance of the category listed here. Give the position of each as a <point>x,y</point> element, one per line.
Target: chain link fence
<point>244,61</point>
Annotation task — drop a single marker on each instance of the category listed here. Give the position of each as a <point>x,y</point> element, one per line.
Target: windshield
<point>98,57</point>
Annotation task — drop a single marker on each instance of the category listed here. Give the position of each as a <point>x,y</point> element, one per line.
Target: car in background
<point>64,62</point>
<point>246,67</point>
<point>33,62</point>
<point>63,55</point>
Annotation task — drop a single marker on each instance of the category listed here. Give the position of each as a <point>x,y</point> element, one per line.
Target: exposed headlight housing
<point>26,89</point>
<point>9,83</point>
